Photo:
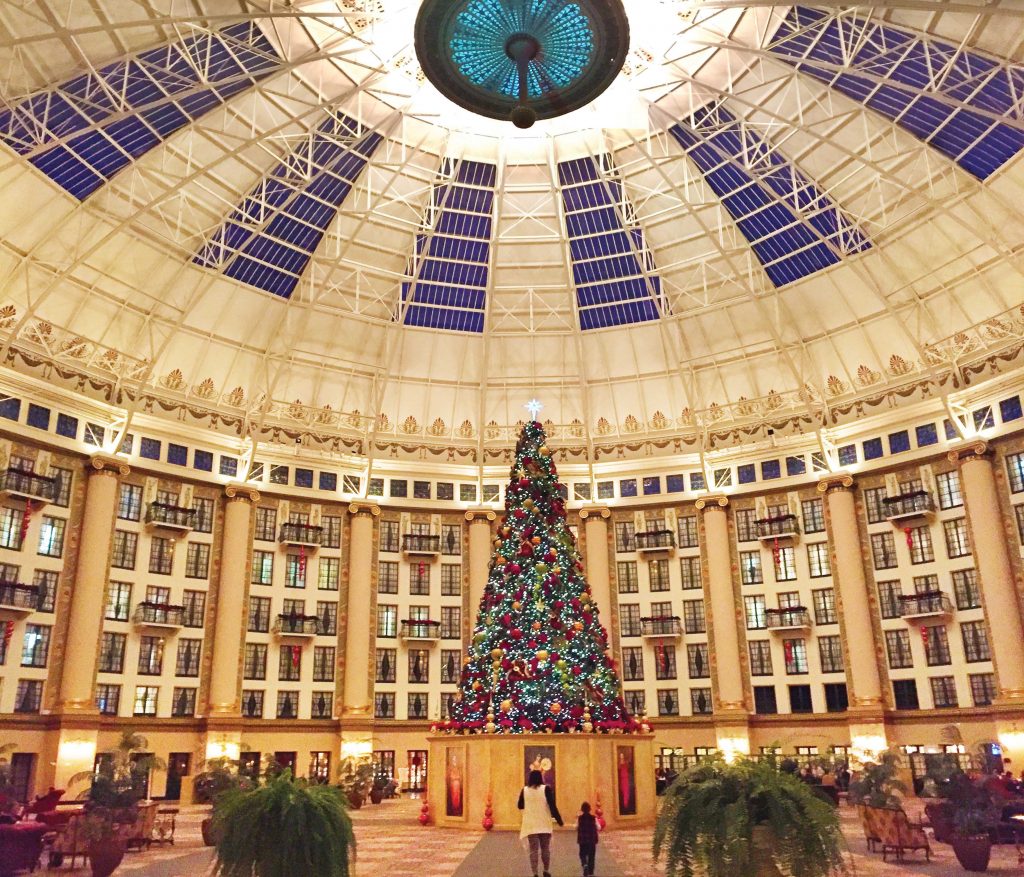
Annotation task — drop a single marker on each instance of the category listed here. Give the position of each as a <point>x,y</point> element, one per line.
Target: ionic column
<point>480,551</point>
<point>359,629</point>
<point>730,699</point>
<point>595,528</point>
<point>232,614</point>
<point>867,727</point>
<point>995,571</point>
<point>89,596</point>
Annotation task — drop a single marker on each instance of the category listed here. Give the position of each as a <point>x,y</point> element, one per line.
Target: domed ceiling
<point>264,212</point>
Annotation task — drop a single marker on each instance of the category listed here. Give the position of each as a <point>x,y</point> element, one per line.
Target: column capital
<point>241,493</point>
<point>108,465</point>
<point>484,515</point>
<point>837,482</point>
<point>976,449</point>
<point>712,502</point>
<point>363,508</point>
<point>595,512</point>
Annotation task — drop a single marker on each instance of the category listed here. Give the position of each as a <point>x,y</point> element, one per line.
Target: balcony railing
<point>18,482</point>
<point>661,627</point>
<point>422,630</point>
<point>297,625</point>
<point>922,605</point>
<point>301,534</point>
<point>163,514</point>
<point>916,503</point>
<point>789,617</point>
<point>18,599</point>
<point>778,527</point>
<point>159,614</point>
<point>655,540</point>
<point>416,543</point>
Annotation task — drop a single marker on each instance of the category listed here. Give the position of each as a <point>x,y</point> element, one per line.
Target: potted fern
<point>746,819</point>
<point>219,775</point>
<point>285,827</point>
<point>355,777</point>
<point>975,817</point>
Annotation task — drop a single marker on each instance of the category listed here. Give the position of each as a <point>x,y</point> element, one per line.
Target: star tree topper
<point>534,407</point>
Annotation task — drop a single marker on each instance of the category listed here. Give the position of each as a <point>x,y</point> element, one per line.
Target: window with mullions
<point>921,550</point>
<point>51,536</point>
<point>818,560</point>
<point>451,622</point>
<point>204,514</point>
<point>628,581</point>
<point>108,699</point>
<point>451,661</point>
<point>943,692</point>
<point>327,612</point>
<point>965,589</point>
<point>633,663</point>
<point>785,564</point>
<point>125,546</point>
<point>795,653</point>
<point>636,702</point>
<point>983,688</point>
<point>926,584</point>
<point>668,702</point>
<point>813,513</point>
<point>151,655</point>
<point>897,648</point>
<point>765,702</point>
<point>161,556</point>
<point>700,701</point>
<point>800,699</point>
<point>419,579</point>
<point>874,506</point>
<point>46,581</point>
<point>746,529</point>
<point>259,615</point>
<point>197,561</point>
<point>9,572</point>
<point>836,698</point>
<point>389,536</point>
<point>760,657</point>
<point>883,550</point>
<point>975,637</point>
<point>129,502</point>
<point>254,665</point>
<point>419,666</point>
<point>266,524</point>
<point>625,536</point>
<point>697,664</point>
<point>948,484</point>
<point>751,572</point>
<point>194,608</point>
<point>664,662</point>
<point>61,486</point>
<point>183,702</point>
<point>36,645</point>
<point>287,704</point>
<point>889,598</point>
<point>754,610</point>
<point>693,616</point>
<point>830,650</point>
<point>119,601</point>
<point>957,542</point>
<point>386,660</point>
<point>112,646</point>
<point>824,606</point>
<point>295,568</point>
<point>1015,471</point>
<point>252,708</point>
<point>686,526</point>
<point>387,621</point>
<point>289,663</point>
<point>657,572</point>
<point>689,572</point>
<point>629,619</point>
<point>328,572</point>
<point>1018,511</point>
<point>451,539</point>
<point>451,580</point>
<point>417,704</point>
<point>387,577</point>
<point>10,528</point>
<point>187,660</point>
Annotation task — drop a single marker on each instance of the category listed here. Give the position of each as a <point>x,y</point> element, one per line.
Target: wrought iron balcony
<point>661,628</point>
<point>789,618</point>
<point>652,541</point>
<point>301,534</point>
<point>906,506</point>
<point>777,527</point>
<point>163,615</point>
<point>304,626</point>
<point>170,517</point>
<point>428,631</point>
<point>17,600</point>
<point>421,545</point>
<point>28,486</point>
<point>929,604</point>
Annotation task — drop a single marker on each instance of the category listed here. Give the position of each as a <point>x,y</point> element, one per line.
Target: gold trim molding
<point>711,503</point>
<point>976,449</point>
<point>598,511</point>
<point>241,493</point>
<point>107,465</point>
<point>486,515</point>
<point>364,508</point>
<point>837,483</point>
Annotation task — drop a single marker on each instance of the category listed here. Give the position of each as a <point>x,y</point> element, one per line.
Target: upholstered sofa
<point>20,846</point>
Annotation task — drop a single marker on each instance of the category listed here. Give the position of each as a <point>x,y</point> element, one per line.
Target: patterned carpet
<point>391,843</point>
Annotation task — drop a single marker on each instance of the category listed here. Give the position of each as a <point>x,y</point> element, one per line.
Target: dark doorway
<point>23,766</point>
<point>177,767</point>
<point>249,765</point>
<point>417,770</point>
<point>286,761</point>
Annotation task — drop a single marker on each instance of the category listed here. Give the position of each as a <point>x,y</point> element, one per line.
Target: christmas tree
<point>539,657</point>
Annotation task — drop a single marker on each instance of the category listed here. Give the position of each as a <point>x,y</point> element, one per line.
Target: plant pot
<point>210,835</point>
<point>105,856</point>
<point>973,852</point>
<point>355,800</point>
<point>940,816</point>
<point>762,852</point>
<point>377,795</point>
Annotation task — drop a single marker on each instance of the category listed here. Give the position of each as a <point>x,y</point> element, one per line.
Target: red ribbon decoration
<point>775,552</point>
<point>661,655</point>
<point>8,634</point>
<point>302,564</point>
<point>787,647</point>
<point>910,537</point>
<point>25,519</point>
<point>296,655</point>
<point>924,637</point>
<point>421,569</point>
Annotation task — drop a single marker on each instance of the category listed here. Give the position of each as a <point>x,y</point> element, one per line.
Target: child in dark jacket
<point>586,837</point>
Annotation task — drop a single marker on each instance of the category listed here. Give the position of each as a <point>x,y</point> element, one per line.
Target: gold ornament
<point>517,605</point>
<point>506,706</point>
<point>496,654</point>
<point>543,450</point>
<point>556,708</point>
<point>535,540</point>
<point>541,567</point>
<point>499,559</point>
<point>535,625</point>
<point>578,625</point>
<point>542,655</point>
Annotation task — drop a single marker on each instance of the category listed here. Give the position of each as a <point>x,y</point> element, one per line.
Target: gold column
<point>595,525</point>
<point>232,614</point>
<point>995,571</point>
<point>359,629</point>
<point>480,550</point>
<point>730,701</point>
<point>87,601</point>
<point>867,726</point>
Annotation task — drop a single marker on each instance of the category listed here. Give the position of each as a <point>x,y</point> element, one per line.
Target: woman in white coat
<point>537,802</point>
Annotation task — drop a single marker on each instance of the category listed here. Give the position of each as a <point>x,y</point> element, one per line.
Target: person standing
<point>537,802</point>
<point>586,839</point>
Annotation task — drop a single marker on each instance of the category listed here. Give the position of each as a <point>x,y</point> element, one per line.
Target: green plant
<point>283,828</point>
<point>732,820</point>
<point>975,811</point>
<point>217,776</point>
<point>355,776</point>
<point>940,768</point>
<point>877,784</point>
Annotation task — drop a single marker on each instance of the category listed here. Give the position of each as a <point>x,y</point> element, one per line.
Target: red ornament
<point>424,816</point>
<point>302,563</point>
<point>25,518</point>
<point>910,537</point>
<point>924,636</point>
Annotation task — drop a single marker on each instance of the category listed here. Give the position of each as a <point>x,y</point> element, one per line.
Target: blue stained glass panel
<point>304,478</point>
<point>1010,409</point>
<point>329,481</point>
<point>606,490</point>
<point>697,481</point>
<point>795,466</point>
<point>899,442</point>
<point>848,455</point>
<point>38,416</point>
<point>872,448</point>
<point>177,455</point>
<point>652,485</point>
<point>675,483</point>
<point>746,473</point>
<point>627,487</point>
<point>202,460</point>
<point>10,408</point>
<point>67,426</point>
<point>770,469</point>
<point>926,434</point>
<point>950,430</point>
<point>984,418</point>
<point>228,466</point>
<point>149,448</point>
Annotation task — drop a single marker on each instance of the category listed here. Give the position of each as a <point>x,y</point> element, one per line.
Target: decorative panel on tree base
<point>468,773</point>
